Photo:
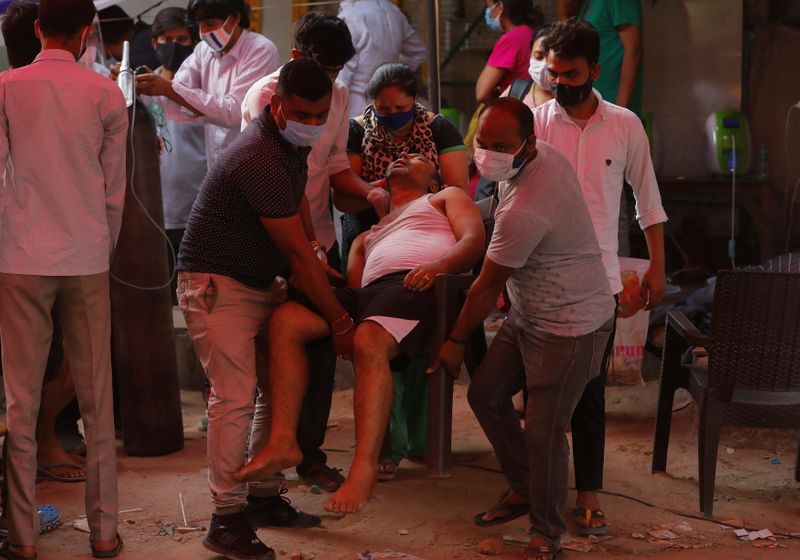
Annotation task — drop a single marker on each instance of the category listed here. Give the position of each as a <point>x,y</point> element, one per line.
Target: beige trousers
<point>227,321</point>
<point>26,329</point>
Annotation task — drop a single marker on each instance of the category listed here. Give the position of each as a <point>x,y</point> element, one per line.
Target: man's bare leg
<point>291,327</point>
<point>56,395</point>
<point>373,348</point>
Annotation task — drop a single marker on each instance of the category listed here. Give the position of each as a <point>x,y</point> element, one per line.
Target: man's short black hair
<point>573,39</point>
<point>324,38</point>
<point>517,109</point>
<point>199,10</point>
<point>65,18</point>
<point>172,18</point>
<point>22,45</point>
<point>303,77</point>
<point>115,24</point>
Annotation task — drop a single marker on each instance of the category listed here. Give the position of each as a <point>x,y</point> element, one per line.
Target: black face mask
<point>172,55</point>
<point>571,95</point>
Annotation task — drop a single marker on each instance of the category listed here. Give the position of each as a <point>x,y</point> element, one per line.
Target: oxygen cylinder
<point>142,337</point>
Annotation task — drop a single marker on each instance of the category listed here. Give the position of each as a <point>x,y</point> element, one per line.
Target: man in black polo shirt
<point>249,227</point>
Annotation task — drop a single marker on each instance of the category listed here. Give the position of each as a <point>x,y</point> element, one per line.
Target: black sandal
<point>514,511</point>
<point>107,553</point>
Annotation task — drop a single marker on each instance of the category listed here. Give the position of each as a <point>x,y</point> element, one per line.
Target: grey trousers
<point>555,370</point>
<point>26,328</point>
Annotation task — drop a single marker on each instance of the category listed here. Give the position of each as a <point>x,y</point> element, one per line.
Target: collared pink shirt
<point>63,132</point>
<point>611,149</point>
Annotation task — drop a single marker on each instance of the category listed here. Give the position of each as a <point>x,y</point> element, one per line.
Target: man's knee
<point>292,322</point>
<point>372,340</point>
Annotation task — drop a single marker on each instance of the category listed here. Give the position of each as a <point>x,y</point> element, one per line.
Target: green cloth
<point>408,422</point>
<point>606,16</point>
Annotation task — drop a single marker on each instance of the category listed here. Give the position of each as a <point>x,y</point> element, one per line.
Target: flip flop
<point>107,553</point>
<point>514,511</point>
<point>386,470</point>
<point>5,552</point>
<point>589,515</point>
<point>45,472</point>
<point>323,476</point>
<point>536,551</point>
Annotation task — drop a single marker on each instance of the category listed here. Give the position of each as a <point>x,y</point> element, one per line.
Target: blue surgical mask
<point>396,121</point>
<point>493,23</point>
<point>217,39</point>
<point>300,134</point>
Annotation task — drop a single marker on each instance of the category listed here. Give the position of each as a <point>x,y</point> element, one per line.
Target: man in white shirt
<point>606,145</point>
<point>212,82</point>
<point>326,40</point>
<point>381,33</point>
<point>59,224</point>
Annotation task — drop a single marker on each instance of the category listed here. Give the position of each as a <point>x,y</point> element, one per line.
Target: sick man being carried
<point>393,267</point>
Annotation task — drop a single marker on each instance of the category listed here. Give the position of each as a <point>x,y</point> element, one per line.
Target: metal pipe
<point>434,85</point>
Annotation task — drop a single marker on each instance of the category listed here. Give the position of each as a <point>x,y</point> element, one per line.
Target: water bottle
<point>125,79</point>
<point>763,161</point>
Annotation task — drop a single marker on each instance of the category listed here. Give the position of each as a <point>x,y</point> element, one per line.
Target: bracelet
<point>344,317</point>
<point>347,330</point>
<point>456,341</point>
<point>316,245</point>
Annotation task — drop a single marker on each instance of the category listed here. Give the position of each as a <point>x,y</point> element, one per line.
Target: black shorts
<point>386,297</point>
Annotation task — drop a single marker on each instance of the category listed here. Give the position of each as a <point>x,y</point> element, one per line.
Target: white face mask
<point>217,39</point>
<point>497,166</point>
<point>300,134</point>
<point>538,72</point>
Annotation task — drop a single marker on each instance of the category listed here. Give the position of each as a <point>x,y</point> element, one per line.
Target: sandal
<point>6,552</point>
<point>583,522</point>
<point>323,476</point>
<point>514,511</point>
<point>107,553</point>
<point>387,468</point>
<point>536,552</point>
<point>49,518</point>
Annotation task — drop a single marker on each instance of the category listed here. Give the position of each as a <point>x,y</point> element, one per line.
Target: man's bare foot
<point>269,460</point>
<point>354,493</point>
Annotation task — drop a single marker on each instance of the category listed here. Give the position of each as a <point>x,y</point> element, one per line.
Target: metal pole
<point>434,93</point>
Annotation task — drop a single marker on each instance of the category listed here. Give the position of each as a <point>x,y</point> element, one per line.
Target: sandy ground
<point>432,518</point>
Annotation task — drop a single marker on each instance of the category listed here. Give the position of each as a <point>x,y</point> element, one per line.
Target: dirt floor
<point>432,518</point>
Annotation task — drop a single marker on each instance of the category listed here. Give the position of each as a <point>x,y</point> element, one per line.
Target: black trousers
<point>316,408</point>
<point>589,427</point>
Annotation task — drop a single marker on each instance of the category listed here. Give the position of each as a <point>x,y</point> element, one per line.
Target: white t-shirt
<point>543,230</point>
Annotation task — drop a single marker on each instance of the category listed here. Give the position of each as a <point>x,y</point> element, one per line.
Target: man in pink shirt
<point>59,225</point>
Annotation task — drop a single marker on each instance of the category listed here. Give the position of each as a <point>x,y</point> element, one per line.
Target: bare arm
<point>481,300</point>
<point>631,37</point>
<point>467,225</point>
<point>454,168</point>
<point>486,87</point>
<point>356,262</point>
<point>654,282</point>
<point>305,216</point>
<point>289,236</point>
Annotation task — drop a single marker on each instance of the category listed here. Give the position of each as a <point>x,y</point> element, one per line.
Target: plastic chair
<point>450,290</point>
<point>753,373</point>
